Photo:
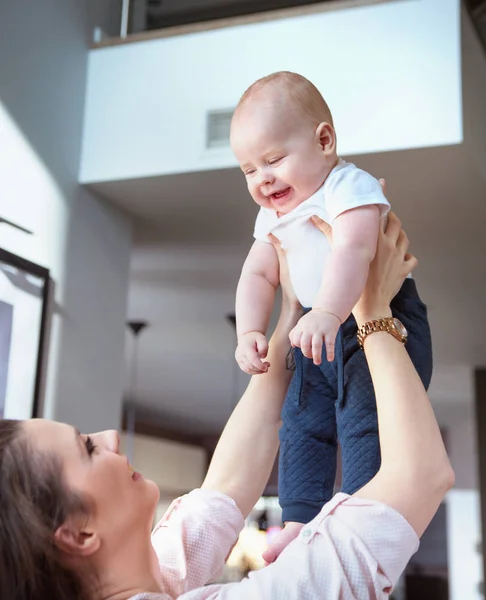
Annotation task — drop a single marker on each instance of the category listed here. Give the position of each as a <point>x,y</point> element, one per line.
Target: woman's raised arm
<point>415,472</point>
<point>246,451</point>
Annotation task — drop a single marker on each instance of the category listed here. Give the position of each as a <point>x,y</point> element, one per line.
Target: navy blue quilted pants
<point>336,401</point>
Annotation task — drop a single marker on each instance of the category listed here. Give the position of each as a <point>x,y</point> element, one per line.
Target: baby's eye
<point>249,171</point>
<point>274,161</point>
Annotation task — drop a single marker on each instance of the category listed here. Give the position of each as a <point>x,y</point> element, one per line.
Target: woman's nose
<point>110,440</point>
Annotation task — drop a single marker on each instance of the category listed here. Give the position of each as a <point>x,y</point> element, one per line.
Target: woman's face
<point>121,502</point>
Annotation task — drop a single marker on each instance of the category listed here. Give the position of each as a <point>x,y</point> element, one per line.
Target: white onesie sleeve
<point>264,224</point>
<point>348,187</point>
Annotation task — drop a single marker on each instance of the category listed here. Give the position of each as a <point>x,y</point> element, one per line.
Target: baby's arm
<point>254,302</point>
<point>354,239</point>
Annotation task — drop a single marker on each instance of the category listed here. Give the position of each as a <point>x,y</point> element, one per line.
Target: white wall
<point>83,241</point>
<point>464,532</point>
<point>462,447</point>
<point>390,72</point>
<point>86,245</point>
<point>31,197</point>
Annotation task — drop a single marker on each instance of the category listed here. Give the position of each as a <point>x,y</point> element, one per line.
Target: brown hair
<point>298,90</point>
<point>34,502</point>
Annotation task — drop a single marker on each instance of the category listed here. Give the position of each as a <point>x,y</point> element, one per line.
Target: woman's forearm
<point>246,451</point>
<point>415,471</point>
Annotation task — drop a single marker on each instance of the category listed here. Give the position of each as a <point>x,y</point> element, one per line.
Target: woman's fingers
<point>323,226</point>
<point>276,243</point>
<point>402,245</point>
<point>393,227</point>
<point>411,262</point>
<point>403,242</point>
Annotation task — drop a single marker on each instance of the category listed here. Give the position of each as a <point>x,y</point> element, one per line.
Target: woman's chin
<point>153,492</point>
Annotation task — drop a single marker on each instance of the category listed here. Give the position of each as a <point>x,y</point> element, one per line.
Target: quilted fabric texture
<point>336,401</point>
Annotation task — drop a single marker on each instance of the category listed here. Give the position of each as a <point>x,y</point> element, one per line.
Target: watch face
<point>400,328</point>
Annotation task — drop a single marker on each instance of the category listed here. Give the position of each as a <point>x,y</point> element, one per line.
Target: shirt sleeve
<point>262,227</point>
<point>353,550</point>
<point>351,188</point>
<point>194,538</point>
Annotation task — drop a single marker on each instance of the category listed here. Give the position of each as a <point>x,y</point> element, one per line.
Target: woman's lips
<point>135,475</point>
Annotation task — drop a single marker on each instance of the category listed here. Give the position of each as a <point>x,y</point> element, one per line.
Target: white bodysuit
<point>307,250</point>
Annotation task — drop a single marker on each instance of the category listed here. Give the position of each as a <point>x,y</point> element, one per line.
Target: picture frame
<point>25,292</point>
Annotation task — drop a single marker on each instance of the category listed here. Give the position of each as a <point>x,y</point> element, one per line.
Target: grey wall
<point>474,92</point>
<point>458,420</point>
<point>105,14</point>
<point>179,6</point>
<point>43,68</point>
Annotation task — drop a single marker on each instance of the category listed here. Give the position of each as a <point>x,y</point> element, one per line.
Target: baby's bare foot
<point>290,531</point>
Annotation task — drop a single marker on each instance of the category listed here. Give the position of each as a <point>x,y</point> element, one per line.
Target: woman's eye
<point>90,446</point>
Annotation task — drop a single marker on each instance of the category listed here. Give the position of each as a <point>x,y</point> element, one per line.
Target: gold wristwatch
<point>390,325</point>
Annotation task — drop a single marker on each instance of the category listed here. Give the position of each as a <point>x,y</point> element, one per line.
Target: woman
<point>76,519</point>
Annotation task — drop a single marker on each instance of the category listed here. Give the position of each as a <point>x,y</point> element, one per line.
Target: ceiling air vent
<point>218,124</point>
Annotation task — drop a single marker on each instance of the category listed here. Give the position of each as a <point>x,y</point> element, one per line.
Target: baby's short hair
<point>296,89</point>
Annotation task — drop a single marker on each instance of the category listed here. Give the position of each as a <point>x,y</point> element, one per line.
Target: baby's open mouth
<point>280,194</point>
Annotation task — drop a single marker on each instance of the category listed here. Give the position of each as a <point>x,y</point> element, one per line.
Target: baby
<point>283,137</point>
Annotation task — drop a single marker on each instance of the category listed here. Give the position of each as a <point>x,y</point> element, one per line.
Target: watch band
<point>386,324</point>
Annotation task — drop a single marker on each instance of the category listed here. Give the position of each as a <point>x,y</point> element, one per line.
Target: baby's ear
<point>327,138</point>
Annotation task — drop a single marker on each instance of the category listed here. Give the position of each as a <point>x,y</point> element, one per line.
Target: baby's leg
<point>356,417</point>
<point>412,312</point>
<point>308,446</point>
<point>357,422</point>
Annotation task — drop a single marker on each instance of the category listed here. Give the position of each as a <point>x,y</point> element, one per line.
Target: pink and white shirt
<point>355,549</point>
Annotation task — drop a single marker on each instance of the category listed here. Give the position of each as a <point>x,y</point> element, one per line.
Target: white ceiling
<point>192,234</point>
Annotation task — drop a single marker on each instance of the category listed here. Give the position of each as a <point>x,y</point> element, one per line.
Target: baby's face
<point>280,155</point>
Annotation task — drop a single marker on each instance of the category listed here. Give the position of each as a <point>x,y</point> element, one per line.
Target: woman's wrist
<point>371,313</point>
<point>290,308</point>
<point>289,318</point>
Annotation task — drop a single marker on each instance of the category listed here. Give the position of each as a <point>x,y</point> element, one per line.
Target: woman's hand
<point>391,265</point>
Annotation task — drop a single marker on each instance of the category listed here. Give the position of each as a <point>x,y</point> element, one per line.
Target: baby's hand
<point>311,330</point>
<point>252,347</point>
